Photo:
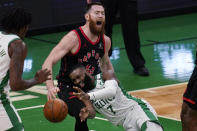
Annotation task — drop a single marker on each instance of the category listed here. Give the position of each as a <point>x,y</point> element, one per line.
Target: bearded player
<point>86,45</point>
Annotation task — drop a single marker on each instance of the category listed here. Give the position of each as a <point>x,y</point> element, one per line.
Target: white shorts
<point>9,118</point>
<point>142,118</point>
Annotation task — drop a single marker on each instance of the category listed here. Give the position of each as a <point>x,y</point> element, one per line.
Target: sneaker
<point>143,71</point>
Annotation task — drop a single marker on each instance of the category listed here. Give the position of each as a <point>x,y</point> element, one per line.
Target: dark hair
<point>15,19</point>
<point>89,6</point>
<point>71,69</point>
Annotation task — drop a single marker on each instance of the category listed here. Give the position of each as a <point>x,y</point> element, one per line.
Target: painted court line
<point>170,118</point>
<point>25,97</point>
<point>158,87</point>
<point>39,106</point>
<point>32,107</point>
<point>99,118</point>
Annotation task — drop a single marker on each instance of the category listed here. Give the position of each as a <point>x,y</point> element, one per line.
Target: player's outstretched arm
<point>17,52</point>
<point>88,111</point>
<point>68,44</point>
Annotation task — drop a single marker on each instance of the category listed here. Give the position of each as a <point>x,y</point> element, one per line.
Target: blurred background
<point>61,15</point>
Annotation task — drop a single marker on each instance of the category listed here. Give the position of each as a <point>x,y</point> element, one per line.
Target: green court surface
<point>168,45</point>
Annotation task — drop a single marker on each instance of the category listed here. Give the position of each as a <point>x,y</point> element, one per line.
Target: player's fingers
<point>47,72</point>
<point>77,88</point>
<point>83,110</point>
<point>56,89</point>
<point>76,94</point>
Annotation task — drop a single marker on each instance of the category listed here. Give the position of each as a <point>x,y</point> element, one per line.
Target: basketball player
<point>189,106</point>
<point>113,102</point>
<point>12,55</point>
<point>86,45</point>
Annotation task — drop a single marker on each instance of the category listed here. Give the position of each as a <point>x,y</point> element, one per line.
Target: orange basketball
<point>55,110</point>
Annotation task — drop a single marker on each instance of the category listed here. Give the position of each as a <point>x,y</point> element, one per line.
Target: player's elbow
<point>15,86</point>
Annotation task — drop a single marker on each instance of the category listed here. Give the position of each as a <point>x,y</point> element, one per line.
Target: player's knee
<point>185,113</point>
<point>152,126</point>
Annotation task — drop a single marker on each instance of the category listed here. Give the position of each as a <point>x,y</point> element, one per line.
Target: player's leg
<point>152,123</point>
<point>189,106</point>
<point>110,13</point>
<point>129,22</point>
<point>188,118</point>
<point>74,107</point>
<point>152,126</point>
<point>9,118</point>
<point>138,116</point>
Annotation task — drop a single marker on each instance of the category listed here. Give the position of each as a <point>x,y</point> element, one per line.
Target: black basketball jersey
<point>88,54</point>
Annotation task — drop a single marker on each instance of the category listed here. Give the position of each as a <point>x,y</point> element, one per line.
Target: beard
<point>95,29</point>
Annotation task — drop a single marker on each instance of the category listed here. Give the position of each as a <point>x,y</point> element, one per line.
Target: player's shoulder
<point>18,45</point>
<point>70,38</point>
<point>106,38</point>
<point>18,42</point>
<point>71,35</point>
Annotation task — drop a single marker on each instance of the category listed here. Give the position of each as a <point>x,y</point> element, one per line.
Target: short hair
<point>72,68</point>
<point>89,6</point>
<point>15,19</point>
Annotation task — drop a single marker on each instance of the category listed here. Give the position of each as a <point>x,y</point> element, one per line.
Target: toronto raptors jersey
<point>87,54</point>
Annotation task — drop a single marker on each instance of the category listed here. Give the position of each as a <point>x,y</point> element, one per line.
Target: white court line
<point>99,118</point>
<point>27,108</point>
<point>158,87</point>
<point>39,106</point>
<point>170,118</point>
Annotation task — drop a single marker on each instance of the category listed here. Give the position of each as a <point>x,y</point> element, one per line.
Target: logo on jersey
<point>2,53</point>
<point>90,58</point>
<point>100,45</point>
<point>104,103</point>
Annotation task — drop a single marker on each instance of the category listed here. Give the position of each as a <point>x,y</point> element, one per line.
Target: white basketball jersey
<point>116,108</point>
<point>5,40</point>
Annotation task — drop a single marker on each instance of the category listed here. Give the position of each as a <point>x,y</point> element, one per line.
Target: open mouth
<point>98,23</point>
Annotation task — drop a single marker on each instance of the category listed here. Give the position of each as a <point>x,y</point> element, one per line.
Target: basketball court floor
<point>168,45</point>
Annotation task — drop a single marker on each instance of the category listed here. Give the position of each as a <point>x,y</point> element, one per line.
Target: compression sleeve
<point>107,92</point>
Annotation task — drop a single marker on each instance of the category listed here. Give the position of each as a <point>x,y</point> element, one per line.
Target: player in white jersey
<point>12,55</point>
<point>109,99</point>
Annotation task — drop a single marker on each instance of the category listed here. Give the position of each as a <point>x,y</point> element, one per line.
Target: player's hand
<point>52,92</point>
<point>81,95</point>
<point>42,75</point>
<point>89,1</point>
<point>84,113</point>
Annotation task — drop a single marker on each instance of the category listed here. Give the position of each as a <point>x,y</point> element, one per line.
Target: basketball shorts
<point>142,118</point>
<point>190,95</point>
<point>74,104</point>
<point>9,118</point>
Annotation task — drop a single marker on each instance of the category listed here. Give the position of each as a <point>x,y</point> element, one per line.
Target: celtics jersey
<point>5,40</point>
<point>116,108</point>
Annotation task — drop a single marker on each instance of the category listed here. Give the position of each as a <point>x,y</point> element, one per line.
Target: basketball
<point>55,110</point>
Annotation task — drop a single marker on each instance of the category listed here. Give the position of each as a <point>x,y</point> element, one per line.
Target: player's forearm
<point>107,92</point>
<point>49,65</point>
<point>22,84</point>
<point>106,65</point>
